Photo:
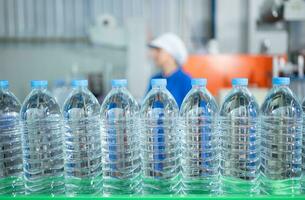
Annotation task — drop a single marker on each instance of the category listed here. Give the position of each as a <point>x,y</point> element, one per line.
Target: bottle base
<point>281,187</point>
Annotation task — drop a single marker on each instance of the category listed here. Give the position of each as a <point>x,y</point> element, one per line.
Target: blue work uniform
<point>178,83</point>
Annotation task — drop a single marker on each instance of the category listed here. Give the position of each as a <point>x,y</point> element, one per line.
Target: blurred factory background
<point>60,40</point>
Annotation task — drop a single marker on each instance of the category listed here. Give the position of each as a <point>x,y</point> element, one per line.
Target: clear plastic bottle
<point>160,141</point>
<point>42,142</point>
<point>199,159</point>
<point>83,152</point>
<point>303,150</point>
<point>120,142</point>
<point>281,145</point>
<point>239,137</point>
<point>11,182</point>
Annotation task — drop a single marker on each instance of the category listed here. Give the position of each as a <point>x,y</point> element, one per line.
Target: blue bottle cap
<point>119,83</point>
<point>240,82</point>
<point>4,84</point>
<point>39,83</point>
<point>79,83</point>
<point>158,82</point>
<point>199,82</point>
<point>281,81</point>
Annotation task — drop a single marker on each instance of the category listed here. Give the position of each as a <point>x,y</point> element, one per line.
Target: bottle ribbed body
<point>11,169</point>
<point>42,141</point>
<point>121,142</point>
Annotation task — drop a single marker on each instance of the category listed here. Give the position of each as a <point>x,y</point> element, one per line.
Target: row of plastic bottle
<point>122,148</point>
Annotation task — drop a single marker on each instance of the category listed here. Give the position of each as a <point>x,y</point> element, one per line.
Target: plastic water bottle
<point>120,142</point>
<point>83,169</point>
<point>10,143</point>
<point>199,160</point>
<point>239,136</point>
<point>42,142</point>
<point>160,141</point>
<point>281,146</point>
<point>303,150</point>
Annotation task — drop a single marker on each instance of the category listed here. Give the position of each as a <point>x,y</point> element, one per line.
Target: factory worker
<point>169,54</point>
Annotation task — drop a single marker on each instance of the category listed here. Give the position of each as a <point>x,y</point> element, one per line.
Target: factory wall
<point>23,63</point>
<point>67,19</point>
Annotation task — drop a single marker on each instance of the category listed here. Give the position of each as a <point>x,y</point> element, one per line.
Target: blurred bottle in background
<point>120,142</point>
<point>42,140</point>
<point>281,141</point>
<point>199,159</point>
<point>160,141</point>
<point>239,138</point>
<point>11,182</point>
<point>83,167</point>
<point>60,91</point>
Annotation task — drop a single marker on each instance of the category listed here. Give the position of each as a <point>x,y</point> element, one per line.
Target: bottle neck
<point>39,88</point>
<point>240,87</point>
<point>118,87</point>
<point>199,87</point>
<point>280,86</point>
<point>4,89</point>
<point>80,87</point>
<point>158,87</point>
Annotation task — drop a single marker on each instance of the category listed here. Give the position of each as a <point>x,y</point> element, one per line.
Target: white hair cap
<point>173,45</point>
